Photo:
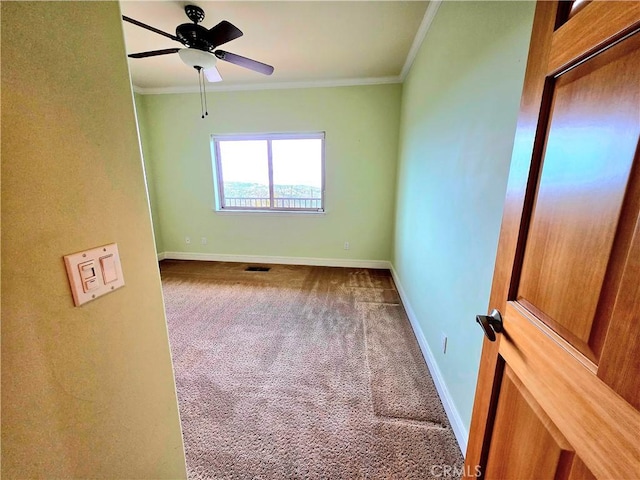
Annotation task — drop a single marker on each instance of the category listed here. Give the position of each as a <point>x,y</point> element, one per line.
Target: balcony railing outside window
<point>278,203</point>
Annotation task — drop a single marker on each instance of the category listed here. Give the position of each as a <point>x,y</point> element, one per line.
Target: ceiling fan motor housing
<point>194,36</point>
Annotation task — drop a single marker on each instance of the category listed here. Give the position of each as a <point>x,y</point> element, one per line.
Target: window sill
<point>279,213</point>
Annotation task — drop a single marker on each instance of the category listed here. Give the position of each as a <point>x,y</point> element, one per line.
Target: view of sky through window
<point>245,161</point>
<point>297,162</point>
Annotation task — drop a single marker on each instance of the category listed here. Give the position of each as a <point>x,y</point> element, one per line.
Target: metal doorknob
<point>491,324</point>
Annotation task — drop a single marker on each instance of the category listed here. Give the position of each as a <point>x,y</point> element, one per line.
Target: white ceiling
<point>308,42</point>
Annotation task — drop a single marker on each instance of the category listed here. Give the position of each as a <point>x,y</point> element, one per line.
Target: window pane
<point>297,173</point>
<point>245,173</point>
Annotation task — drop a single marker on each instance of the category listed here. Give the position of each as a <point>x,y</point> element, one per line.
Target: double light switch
<point>94,272</point>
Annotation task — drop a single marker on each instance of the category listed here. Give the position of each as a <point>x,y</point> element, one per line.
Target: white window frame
<point>218,180</point>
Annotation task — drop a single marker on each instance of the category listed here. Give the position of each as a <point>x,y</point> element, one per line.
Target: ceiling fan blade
<point>244,62</point>
<point>212,74</point>
<point>222,33</point>
<point>153,53</point>
<point>148,27</point>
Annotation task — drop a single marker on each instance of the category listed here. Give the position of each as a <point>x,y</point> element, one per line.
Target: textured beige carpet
<point>300,372</point>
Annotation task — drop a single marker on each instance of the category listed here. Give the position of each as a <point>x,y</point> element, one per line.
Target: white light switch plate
<point>107,269</point>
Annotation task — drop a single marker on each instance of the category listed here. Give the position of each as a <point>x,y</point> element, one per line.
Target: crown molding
<point>343,82</point>
<point>427,20</point>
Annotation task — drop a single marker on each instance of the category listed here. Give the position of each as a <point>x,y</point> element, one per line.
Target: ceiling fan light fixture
<point>197,58</point>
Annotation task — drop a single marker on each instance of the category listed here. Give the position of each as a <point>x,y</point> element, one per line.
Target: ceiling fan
<point>200,45</point>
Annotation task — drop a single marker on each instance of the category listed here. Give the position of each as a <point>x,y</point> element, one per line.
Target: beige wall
<point>88,391</point>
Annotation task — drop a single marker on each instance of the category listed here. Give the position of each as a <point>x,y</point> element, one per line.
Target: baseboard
<point>323,262</point>
<point>459,429</point>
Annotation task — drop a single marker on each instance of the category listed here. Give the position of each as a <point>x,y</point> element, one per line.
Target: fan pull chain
<point>204,85</point>
<point>199,69</point>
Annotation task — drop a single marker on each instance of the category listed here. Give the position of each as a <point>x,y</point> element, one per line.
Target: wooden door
<point>558,393</point>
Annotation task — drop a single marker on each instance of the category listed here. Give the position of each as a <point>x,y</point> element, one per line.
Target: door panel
<point>620,365</point>
<point>558,392</point>
<point>579,471</point>
<point>601,427</point>
<point>590,147</point>
<point>598,24</point>
<point>520,420</point>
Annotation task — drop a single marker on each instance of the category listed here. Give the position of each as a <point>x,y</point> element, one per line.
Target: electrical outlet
<point>203,240</point>
<point>346,245</point>
<point>187,240</point>
<point>443,341</point>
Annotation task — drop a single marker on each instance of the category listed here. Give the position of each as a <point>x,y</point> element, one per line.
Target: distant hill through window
<point>257,190</point>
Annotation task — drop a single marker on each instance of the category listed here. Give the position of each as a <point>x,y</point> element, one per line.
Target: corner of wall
<point>147,161</point>
<point>457,424</point>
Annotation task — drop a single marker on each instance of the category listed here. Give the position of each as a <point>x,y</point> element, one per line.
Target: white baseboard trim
<point>459,429</point>
<point>323,262</point>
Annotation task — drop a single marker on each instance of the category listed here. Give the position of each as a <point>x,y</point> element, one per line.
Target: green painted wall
<point>459,110</point>
<point>141,113</point>
<point>361,125</point>
<point>87,392</point>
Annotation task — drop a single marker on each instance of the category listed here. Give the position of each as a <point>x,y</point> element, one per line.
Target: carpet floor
<point>300,372</point>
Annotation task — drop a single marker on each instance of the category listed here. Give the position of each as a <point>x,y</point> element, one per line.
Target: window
<point>272,172</point>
